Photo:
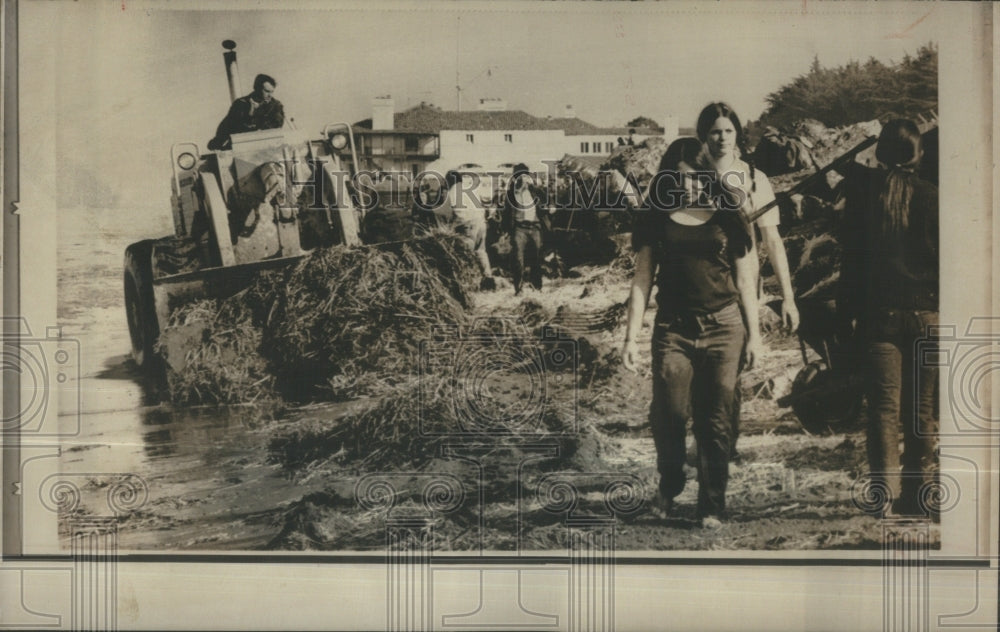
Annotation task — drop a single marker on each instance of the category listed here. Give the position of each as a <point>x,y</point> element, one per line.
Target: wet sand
<point>205,469</point>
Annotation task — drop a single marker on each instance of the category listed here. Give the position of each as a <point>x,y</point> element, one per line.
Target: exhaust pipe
<point>232,70</point>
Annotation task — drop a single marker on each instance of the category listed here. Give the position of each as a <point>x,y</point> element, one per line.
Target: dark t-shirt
<point>883,272</point>
<point>695,272</point>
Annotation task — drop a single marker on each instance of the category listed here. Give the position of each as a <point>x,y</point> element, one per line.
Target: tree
<point>643,121</point>
<point>856,92</point>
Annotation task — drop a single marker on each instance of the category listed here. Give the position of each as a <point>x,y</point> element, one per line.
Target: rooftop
<point>572,126</point>
<point>578,127</point>
<point>428,119</point>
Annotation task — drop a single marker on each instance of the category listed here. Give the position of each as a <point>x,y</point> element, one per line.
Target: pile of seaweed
<point>420,436</point>
<point>342,323</point>
<point>408,426</point>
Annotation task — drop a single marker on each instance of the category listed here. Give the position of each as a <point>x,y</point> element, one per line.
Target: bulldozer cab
<point>275,194</point>
<point>259,206</point>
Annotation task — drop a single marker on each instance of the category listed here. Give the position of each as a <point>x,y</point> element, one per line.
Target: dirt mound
<point>639,161</point>
<point>828,143</point>
<point>588,169</point>
<point>825,144</point>
<point>812,217</point>
<point>341,322</point>
<point>777,153</point>
<point>388,224</point>
<point>351,311</point>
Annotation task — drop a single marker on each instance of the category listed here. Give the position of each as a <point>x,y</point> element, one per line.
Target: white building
<point>428,138</point>
<point>585,139</point>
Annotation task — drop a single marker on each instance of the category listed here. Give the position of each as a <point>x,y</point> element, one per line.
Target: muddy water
<point>209,484</point>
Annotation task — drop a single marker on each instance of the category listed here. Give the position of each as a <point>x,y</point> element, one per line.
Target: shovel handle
<point>801,186</point>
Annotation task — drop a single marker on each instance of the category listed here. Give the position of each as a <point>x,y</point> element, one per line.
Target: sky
<point>133,78</point>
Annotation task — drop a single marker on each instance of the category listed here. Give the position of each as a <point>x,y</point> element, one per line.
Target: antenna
<point>458,82</point>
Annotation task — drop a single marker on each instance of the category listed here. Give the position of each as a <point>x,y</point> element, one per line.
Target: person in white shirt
<point>469,214</point>
<point>524,216</point>
<point>725,152</point>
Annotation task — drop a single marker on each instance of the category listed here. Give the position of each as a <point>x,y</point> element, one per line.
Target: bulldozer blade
<point>171,292</point>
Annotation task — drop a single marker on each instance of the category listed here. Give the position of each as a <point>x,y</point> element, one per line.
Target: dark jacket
<point>881,273</point>
<point>247,115</point>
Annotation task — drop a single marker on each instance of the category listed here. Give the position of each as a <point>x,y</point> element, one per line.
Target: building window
<point>584,148</point>
<point>469,138</point>
<point>410,145</point>
<point>608,147</point>
<point>509,138</point>
<point>597,146</point>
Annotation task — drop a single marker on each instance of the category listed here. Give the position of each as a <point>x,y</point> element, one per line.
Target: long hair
<point>666,185</point>
<point>899,150</point>
<point>713,112</point>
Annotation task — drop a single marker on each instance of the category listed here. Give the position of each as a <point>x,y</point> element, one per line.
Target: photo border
<point>139,572</point>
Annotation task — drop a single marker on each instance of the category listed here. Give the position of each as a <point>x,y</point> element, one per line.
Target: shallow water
<point>205,469</point>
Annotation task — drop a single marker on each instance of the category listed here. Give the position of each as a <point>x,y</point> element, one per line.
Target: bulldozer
<point>262,204</point>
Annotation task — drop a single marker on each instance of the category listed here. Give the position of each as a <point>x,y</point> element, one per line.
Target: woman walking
<point>704,264</point>
<point>888,293</point>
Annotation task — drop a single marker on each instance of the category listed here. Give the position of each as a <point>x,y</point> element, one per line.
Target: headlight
<point>186,160</point>
<point>338,141</point>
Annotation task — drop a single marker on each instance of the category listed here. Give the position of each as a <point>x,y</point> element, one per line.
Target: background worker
<point>469,214</point>
<point>524,217</point>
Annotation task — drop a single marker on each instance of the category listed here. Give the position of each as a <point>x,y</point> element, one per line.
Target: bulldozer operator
<point>256,111</point>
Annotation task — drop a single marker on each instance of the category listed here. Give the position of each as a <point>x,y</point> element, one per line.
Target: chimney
<point>671,127</point>
<point>492,104</point>
<point>383,113</point>
<point>570,112</point>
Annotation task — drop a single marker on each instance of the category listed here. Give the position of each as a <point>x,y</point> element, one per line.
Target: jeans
<point>527,249</point>
<point>737,405</point>
<point>695,363</point>
<point>901,394</point>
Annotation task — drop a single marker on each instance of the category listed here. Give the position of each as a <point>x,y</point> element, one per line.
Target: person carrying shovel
<point>889,294</point>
